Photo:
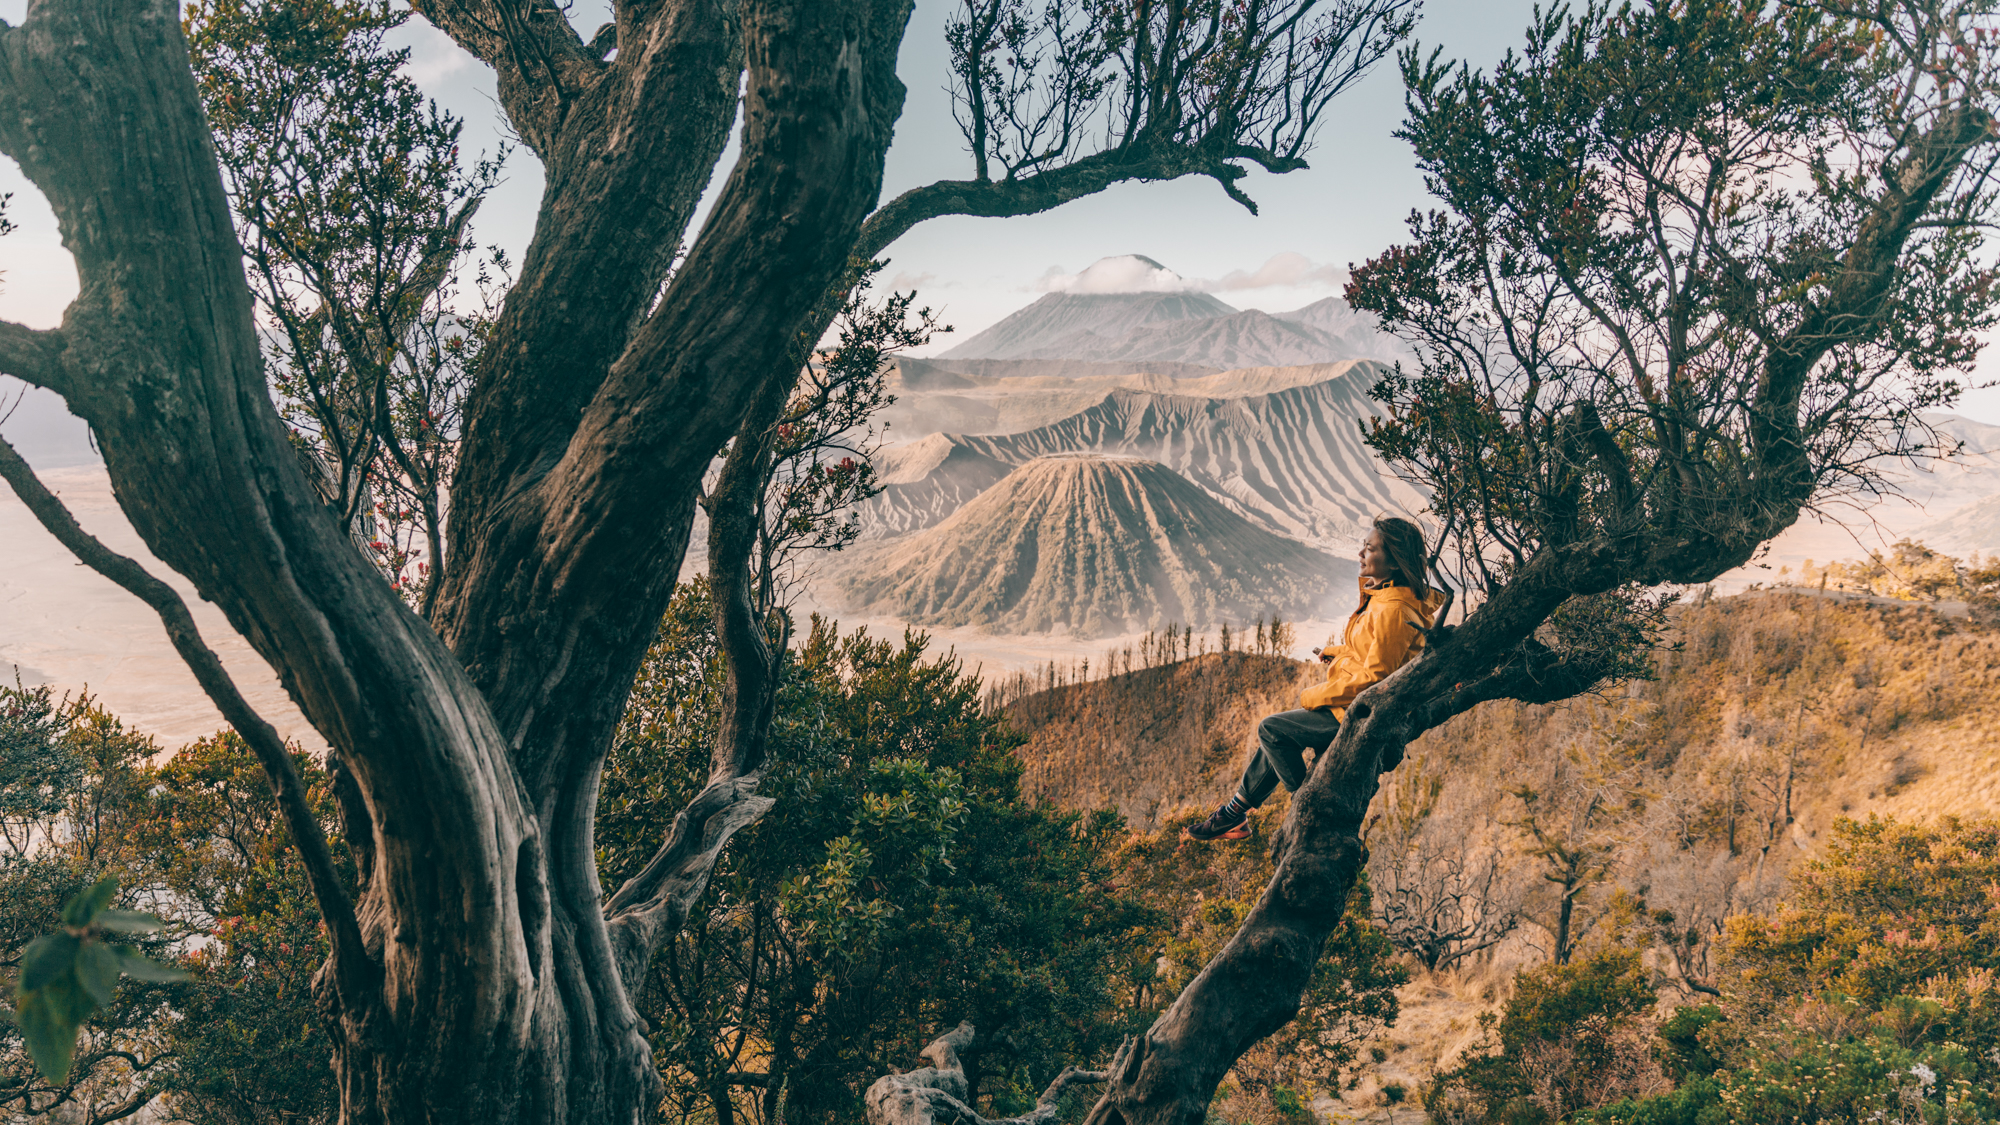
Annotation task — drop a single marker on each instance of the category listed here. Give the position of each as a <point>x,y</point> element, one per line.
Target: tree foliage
<point>1066,88</point>
<point>196,841</point>
<point>1867,996</point>
<point>67,976</point>
<point>1700,266</point>
<point>354,207</point>
<point>1565,1042</point>
<point>900,884</point>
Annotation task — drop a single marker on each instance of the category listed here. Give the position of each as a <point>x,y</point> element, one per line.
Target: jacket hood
<point>1425,607</point>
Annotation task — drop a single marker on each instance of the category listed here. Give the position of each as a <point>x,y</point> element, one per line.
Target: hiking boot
<point>1222,824</point>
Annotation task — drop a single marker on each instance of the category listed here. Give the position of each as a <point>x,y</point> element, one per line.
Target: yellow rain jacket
<point>1381,636</point>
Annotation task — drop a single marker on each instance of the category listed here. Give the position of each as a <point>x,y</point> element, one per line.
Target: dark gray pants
<point>1282,742</point>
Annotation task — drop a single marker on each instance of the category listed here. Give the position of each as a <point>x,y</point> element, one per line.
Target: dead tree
<point>939,1095</point>
<point>1441,893</point>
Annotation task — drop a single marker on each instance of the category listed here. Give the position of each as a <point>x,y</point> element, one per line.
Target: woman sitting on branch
<point>1382,635</point>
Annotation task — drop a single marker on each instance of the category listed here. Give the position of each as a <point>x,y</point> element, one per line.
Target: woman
<point>1397,605</point>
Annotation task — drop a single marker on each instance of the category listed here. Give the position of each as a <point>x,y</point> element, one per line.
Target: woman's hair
<point>1403,543</point>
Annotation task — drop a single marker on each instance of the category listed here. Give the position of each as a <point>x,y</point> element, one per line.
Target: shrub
<point>1567,1041</point>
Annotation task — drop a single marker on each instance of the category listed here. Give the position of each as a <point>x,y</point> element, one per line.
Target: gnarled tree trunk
<point>478,975</point>
<point>483,985</point>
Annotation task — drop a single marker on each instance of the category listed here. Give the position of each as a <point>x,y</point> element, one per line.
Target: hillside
<point>1779,713</point>
<point>1872,706</point>
<point>1151,741</point>
<point>1291,462</point>
<point>1088,545</point>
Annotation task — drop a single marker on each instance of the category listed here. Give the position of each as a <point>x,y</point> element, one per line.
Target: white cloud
<point>1288,270</point>
<point>1136,273</point>
<point>1126,273</point>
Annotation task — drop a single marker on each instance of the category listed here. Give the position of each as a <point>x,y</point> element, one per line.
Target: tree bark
<point>497,997</point>
<point>159,354</point>
<point>288,788</point>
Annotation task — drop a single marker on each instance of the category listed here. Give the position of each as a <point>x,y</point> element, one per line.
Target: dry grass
<point>1154,740</point>
<point>1864,706</point>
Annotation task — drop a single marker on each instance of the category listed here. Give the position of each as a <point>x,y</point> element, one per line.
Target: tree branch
<point>651,906</point>
<point>1859,294</point>
<point>139,1099</point>
<point>31,355</point>
<point>350,958</point>
<point>542,64</point>
<point>1033,194</point>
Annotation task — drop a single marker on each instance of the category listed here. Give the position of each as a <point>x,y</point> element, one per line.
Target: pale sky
<point>1347,207</point>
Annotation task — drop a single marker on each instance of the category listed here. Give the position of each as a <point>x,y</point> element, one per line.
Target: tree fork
<point>501,999</point>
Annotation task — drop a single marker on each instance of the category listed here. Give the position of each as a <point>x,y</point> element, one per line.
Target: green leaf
<point>50,1038</point>
<point>97,966</point>
<point>139,967</point>
<point>47,958</point>
<point>68,998</point>
<point>127,922</point>
<point>86,906</point>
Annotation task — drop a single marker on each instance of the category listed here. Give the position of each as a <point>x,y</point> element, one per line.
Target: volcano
<point>1090,545</point>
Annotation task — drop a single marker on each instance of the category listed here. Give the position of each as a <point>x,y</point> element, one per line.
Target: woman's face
<point>1374,561</point>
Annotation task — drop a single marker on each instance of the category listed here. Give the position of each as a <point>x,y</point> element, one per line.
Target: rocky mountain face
<point>1090,545</point>
<point>1260,414</point>
<point>1290,462</point>
<point>1960,493</point>
<point>1220,448</point>
<point>1008,396</point>
<point>1245,339</point>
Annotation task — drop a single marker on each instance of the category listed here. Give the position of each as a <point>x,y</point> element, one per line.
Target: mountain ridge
<point>1183,328</point>
<point>1054,316</point>
<point>1290,462</point>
